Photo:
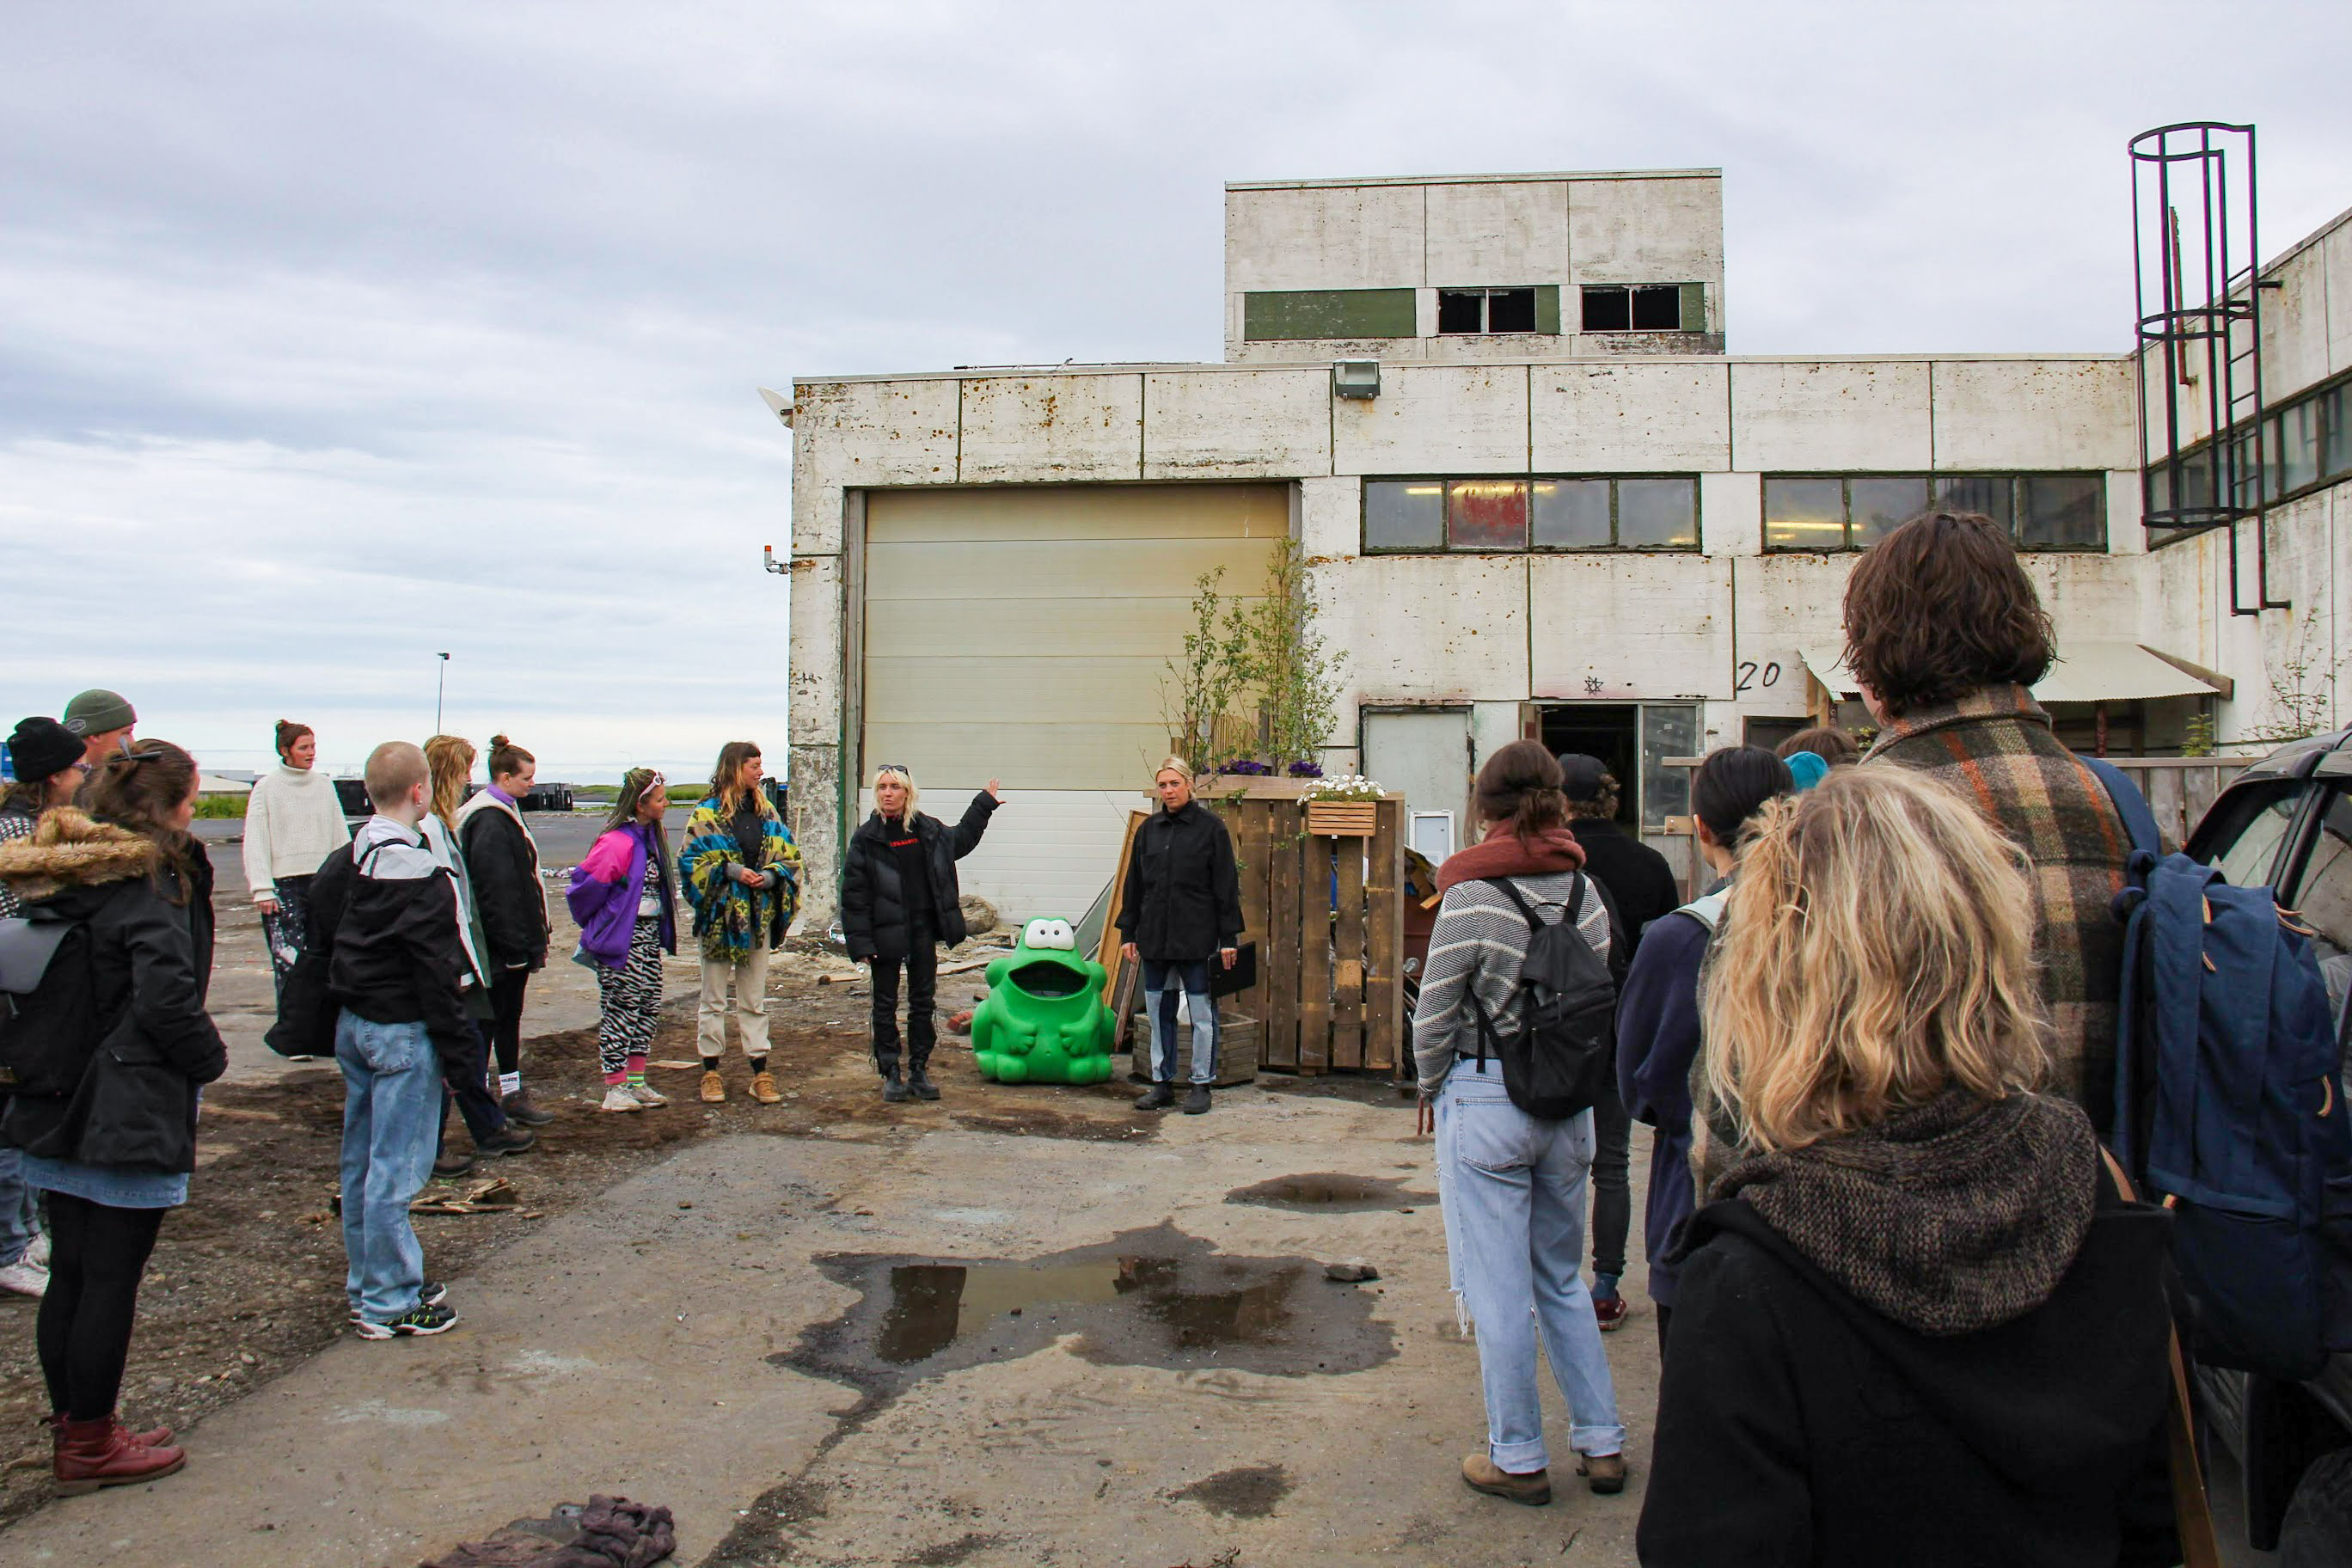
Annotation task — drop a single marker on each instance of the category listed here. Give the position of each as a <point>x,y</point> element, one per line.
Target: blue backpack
<point>2229,1104</point>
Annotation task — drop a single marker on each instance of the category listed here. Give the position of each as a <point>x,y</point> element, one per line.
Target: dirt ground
<point>247,1279</point>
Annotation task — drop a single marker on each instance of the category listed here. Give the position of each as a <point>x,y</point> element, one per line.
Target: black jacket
<point>504,869</point>
<point>1183,899</point>
<point>1640,884</point>
<point>151,966</point>
<point>385,947</point>
<point>874,906</point>
<point>1797,1425</point>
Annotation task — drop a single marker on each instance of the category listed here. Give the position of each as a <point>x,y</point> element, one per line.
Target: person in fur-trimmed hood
<point>1917,1323</point>
<point>114,1151</point>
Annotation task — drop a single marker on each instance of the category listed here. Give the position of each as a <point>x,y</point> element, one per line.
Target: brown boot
<point>714,1088</point>
<point>94,1453</point>
<point>763,1088</point>
<point>154,1438</point>
<point>1481,1474</point>
<point>1602,1472</point>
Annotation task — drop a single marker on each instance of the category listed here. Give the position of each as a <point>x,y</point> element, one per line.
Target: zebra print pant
<point>632,999</point>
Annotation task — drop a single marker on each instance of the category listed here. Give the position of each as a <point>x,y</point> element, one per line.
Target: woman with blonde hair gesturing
<point>899,904</point>
<point>741,873</point>
<point>1916,1320</point>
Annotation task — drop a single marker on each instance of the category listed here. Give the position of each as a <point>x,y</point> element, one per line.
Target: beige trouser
<point>747,983</point>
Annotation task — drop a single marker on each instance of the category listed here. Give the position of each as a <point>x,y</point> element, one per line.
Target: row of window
<point>2307,442</point>
<point>1273,315</point>
<point>1660,512</point>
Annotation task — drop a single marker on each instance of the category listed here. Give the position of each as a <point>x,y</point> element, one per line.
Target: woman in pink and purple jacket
<point>621,896</point>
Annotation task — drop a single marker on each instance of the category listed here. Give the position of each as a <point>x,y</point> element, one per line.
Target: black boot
<point>1158,1097</point>
<point>918,1079</point>
<point>1198,1101</point>
<point>894,1088</point>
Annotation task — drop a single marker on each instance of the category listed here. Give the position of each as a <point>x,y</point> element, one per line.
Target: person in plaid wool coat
<point>1946,636</point>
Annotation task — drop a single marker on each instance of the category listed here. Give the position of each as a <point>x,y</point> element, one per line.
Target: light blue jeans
<point>19,1221</point>
<point>1161,979</point>
<point>392,1115</point>
<point>1512,1189</point>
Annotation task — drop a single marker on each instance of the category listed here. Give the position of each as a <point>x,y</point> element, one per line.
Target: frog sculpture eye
<point>1049,935</point>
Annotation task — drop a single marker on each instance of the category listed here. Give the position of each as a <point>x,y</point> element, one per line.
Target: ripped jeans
<point>1513,1191</point>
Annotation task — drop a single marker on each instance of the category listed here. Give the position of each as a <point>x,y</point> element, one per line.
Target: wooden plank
<point>1384,941</point>
<point>1257,876</point>
<point>1279,960</point>
<point>1108,954</point>
<point>1315,957</point>
<point>2165,800</point>
<point>1347,970</point>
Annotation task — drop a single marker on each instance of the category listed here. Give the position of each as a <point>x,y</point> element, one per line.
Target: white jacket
<point>293,821</point>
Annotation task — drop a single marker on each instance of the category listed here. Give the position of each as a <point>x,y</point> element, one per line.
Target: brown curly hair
<point>1940,607</point>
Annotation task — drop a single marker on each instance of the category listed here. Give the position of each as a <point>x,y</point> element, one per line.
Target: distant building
<point>1562,510</point>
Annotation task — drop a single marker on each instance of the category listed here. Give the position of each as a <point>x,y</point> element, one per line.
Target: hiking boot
<point>618,1098</point>
<point>1604,1473</point>
<point>420,1319</point>
<point>646,1095</point>
<point>1481,1474</point>
<point>763,1088</point>
<point>1158,1097</point>
<point>508,1140</point>
<point>1197,1101</point>
<point>154,1438</point>
<point>453,1162</point>
<point>25,1277</point>
<point>714,1088</point>
<point>519,1108</point>
<point>894,1088</point>
<point>94,1453</point>
<point>919,1081</point>
<point>1610,1312</point>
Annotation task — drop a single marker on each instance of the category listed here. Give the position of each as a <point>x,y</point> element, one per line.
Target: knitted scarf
<point>1503,853</point>
<point>1949,1218</point>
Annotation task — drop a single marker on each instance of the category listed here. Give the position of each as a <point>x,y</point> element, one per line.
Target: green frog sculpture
<point>1045,1021</point>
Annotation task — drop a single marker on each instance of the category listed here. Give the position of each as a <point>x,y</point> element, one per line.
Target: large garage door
<point>1024,633</point>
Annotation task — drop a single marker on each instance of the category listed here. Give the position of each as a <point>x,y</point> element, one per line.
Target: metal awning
<point>2089,670</point>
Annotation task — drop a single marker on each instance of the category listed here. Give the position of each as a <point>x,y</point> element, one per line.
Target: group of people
<point>1906,1313</point>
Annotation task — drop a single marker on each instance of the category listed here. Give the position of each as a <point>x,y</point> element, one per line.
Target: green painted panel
<point>1327,313</point>
<point>1547,308</point>
<point>1694,307</point>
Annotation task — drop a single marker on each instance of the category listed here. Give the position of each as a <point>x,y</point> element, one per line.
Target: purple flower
<point>1306,770</point>
<point>1244,765</point>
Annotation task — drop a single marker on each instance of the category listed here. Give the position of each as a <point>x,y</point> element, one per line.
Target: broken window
<point>1486,514</point>
<point>1405,514</point>
<point>1635,308</point>
<point>1461,310</point>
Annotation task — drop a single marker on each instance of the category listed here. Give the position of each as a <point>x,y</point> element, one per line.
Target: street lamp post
<point>440,686</point>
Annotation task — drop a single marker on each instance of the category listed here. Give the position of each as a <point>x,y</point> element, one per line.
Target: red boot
<point>94,1453</point>
<point>154,1438</point>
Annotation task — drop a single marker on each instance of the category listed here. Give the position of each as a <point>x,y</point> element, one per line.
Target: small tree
<point>2302,685</point>
<point>1198,691</point>
<point>1296,679</point>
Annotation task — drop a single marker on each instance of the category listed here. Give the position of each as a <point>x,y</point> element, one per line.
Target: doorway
<point>1611,731</point>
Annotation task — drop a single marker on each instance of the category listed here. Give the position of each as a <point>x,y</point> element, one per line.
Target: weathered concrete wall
<point>1831,415</point>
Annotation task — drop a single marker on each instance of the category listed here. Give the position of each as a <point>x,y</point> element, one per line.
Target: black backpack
<point>1563,1055</point>
<point>48,1004</point>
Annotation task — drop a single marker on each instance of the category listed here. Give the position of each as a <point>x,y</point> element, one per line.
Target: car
<point>2286,824</point>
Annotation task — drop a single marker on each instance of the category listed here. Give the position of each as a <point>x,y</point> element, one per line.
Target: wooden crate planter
<point>1326,912</point>
<point>1342,818</point>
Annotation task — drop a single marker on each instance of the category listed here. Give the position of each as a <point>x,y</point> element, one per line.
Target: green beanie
<point>96,712</point>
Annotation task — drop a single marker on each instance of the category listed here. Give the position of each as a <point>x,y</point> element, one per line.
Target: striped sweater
<point>1476,948</point>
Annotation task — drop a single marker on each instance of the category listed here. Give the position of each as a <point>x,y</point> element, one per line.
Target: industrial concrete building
<point>1537,498</point>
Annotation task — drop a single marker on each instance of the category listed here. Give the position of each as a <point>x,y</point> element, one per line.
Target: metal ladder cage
<point>2201,342</point>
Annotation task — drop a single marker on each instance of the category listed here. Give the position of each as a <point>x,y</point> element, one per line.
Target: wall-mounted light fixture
<point>778,405</point>
<point>1356,378</point>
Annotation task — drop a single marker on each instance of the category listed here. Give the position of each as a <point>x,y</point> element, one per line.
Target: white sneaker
<point>618,1098</point>
<point>25,1277</point>
<point>39,1251</point>
<point>646,1094</point>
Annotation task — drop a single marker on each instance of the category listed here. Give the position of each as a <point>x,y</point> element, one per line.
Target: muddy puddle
<point>1146,1297</point>
<point>1329,1191</point>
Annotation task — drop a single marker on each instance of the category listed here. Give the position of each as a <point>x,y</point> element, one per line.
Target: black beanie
<point>41,747</point>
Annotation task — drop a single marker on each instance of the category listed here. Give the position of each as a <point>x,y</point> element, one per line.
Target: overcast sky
<point>333,336</point>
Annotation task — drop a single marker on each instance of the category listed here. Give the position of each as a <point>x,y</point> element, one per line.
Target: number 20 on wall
<point>1747,676</point>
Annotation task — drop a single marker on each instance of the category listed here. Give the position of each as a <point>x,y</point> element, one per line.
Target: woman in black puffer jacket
<point>114,1151</point>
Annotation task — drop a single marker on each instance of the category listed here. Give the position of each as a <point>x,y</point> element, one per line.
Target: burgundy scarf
<point>1504,854</point>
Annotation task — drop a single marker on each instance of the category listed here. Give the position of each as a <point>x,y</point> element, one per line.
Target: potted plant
<point>1343,807</point>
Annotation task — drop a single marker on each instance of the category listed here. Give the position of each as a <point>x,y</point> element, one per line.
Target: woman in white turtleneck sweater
<point>292,823</point>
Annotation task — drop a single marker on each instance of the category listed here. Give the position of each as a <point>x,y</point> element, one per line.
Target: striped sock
<point>637,1072</point>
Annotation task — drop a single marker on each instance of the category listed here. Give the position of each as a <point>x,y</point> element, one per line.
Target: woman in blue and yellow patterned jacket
<point>741,873</point>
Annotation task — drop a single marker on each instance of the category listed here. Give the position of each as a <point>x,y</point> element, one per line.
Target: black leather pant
<point>922,965</point>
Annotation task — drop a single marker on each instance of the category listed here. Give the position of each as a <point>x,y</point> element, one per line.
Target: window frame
<point>1936,480</point>
<point>1445,514</point>
<point>1681,292</point>
<point>1486,327</point>
<point>2329,406</point>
